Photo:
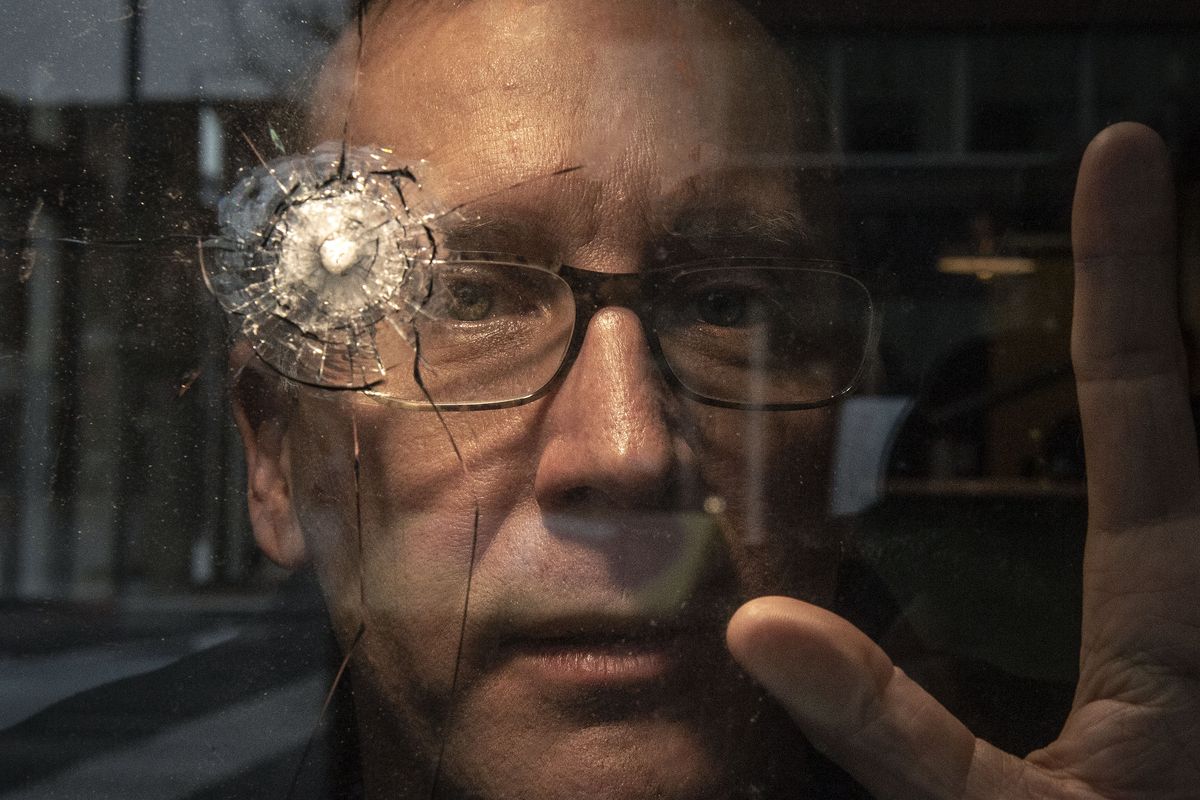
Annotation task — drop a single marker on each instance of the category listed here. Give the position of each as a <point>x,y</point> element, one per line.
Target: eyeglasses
<point>758,334</point>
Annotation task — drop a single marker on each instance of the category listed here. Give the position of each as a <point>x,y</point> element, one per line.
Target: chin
<point>614,760</point>
<point>680,740</point>
<point>715,736</point>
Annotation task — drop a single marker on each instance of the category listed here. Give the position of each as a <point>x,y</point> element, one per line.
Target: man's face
<point>619,524</point>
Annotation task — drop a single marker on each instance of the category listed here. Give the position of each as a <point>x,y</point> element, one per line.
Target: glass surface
<point>402,398</point>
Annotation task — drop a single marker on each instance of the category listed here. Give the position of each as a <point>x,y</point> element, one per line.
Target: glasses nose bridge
<point>594,291</point>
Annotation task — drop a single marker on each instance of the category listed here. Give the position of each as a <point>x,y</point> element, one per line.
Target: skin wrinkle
<point>1110,757</point>
<point>1118,257</point>
<point>1114,505</point>
<point>1098,351</point>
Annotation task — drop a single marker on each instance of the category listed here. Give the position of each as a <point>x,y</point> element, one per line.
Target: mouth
<point>595,655</point>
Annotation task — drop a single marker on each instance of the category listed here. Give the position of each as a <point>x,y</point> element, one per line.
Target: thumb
<point>862,711</point>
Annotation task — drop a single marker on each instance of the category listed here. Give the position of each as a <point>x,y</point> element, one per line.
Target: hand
<point>1134,727</point>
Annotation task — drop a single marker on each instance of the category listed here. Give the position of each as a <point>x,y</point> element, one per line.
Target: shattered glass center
<point>315,252</point>
<point>339,254</point>
<point>328,250</point>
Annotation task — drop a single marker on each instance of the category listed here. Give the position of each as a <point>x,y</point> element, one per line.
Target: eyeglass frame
<point>590,283</point>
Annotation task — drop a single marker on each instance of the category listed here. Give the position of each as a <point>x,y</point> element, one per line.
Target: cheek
<point>322,483</point>
<point>392,549</point>
<point>770,473</point>
<point>419,464</point>
<point>782,457</point>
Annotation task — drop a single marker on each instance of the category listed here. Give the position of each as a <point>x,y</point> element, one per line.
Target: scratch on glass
<point>29,257</point>
<point>188,381</point>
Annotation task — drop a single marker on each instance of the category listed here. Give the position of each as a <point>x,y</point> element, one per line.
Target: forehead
<point>651,99</point>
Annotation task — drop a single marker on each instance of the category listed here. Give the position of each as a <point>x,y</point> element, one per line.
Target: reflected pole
<point>128,448</point>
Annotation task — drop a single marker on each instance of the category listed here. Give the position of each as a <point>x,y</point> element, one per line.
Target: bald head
<point>426,74</point>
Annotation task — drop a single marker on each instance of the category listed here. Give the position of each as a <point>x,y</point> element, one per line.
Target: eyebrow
<point>724,225</point>
<point>520,236</point>
<point>691,230</point>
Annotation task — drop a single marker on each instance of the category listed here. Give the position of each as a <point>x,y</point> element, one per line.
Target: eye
<point>485,293</point>
<point>732,303</point>
<point>469,301</point>
<point>724,308</point>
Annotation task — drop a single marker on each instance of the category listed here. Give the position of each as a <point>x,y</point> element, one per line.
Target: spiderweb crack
<point>315,251</point>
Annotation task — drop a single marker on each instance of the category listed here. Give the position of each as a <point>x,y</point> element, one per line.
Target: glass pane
<point>380,424</point>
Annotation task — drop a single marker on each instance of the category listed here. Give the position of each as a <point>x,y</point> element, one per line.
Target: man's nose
<point>609,440</point>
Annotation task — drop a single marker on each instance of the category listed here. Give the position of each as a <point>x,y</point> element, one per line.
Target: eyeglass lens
<point>755,335</point>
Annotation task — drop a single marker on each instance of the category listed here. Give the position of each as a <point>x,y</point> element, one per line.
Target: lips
<point>598,653</point>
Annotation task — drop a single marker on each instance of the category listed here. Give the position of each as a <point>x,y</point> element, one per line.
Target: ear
<point>261,409</point>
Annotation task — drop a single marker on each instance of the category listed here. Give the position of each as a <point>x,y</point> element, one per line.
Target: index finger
<point>1126,343</point>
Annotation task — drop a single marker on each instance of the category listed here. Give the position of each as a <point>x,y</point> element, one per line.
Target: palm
<point>1134,728</point>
